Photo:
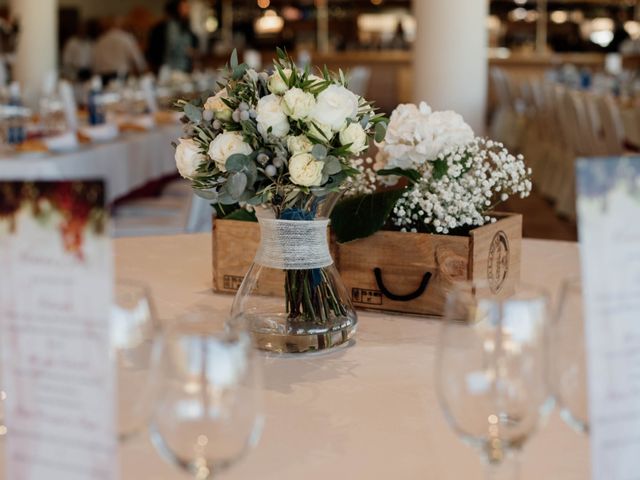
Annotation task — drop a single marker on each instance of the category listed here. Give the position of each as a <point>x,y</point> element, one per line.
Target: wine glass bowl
<point>490,369</point>
<point>133,331</point>
<point>568,357</point>
<point>206,412</point>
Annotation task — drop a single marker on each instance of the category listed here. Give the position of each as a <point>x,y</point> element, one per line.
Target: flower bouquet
<point>279,146</point>
<point>441,185</point>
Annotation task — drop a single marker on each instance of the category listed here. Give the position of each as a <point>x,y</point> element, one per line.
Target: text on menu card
<point>55,297</point>
<point>609,210</point>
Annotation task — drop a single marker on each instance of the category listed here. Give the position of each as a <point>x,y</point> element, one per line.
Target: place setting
<point>284,239</point>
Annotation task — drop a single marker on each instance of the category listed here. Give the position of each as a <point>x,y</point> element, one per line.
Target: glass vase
<point>293,299</point>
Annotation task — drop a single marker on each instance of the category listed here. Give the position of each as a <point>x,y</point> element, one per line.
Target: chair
<point>358,80</point>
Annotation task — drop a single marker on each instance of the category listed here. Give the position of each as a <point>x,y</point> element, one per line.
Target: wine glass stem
<point>507,469</point>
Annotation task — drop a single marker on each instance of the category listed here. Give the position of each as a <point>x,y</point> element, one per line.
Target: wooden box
<point>412,272</point>
<point>234,247</point>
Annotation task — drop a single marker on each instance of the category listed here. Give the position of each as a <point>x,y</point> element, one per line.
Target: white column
<point>37,53</point>
<point>450,57</point>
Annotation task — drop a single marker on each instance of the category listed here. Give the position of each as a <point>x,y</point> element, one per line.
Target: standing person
<point>171,42</point>
<point>77,55</point>
<point>117,53</point>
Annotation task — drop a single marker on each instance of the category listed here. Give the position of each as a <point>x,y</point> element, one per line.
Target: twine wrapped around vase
<point>293,244</point>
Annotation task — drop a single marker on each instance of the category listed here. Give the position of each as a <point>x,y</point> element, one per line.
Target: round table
<point>366,412</point>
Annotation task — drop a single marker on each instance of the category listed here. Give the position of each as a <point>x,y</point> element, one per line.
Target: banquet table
<point>368,411</point>
<point>126,163</point>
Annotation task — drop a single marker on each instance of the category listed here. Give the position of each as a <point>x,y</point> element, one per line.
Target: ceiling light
<point>559,16</point>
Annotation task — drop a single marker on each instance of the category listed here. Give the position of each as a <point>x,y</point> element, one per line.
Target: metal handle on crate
<point>401,298</point>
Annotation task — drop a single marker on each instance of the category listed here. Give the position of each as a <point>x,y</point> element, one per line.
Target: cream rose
<point>188,158</point>
<point>270,115</point>
<point>276,84</point>
<point>334,106</point>
<point>305,170</point>
<point>225,145</point>
<point>298,104</point>
<point>355,136</point>
<point>220,109</point>
<point>299,144</point>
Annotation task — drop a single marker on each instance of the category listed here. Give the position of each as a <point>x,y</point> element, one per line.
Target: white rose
<point>298,104</point>
<point>305,170</point>
<point>355,135</point>
<point>225,145</point>
<point>220,109</point>
<point>188,158</point>
<point>271,115</point>
<point>299,144</point>
<point>334,106</point>
<point>321,131</point>
<point>276,84</point>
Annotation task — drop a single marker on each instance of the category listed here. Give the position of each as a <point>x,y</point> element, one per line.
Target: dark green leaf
<point>242,215</point>
<point>439,169</point>
<point>362,216</point>
<point>381,131</point>
<point>409,173</point>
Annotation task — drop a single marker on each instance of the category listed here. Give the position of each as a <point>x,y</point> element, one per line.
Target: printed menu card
<point>55,295</point>
<point>609,227</point>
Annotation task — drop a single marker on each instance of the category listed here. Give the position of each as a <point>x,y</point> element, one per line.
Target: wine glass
<point>206,413</point>
<point>490,371</point>
<point>133,331</point>
<point>568,357</point>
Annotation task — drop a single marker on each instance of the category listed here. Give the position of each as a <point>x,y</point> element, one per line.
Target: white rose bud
<point>305,170</point>
<point>276,84</point>
<point>218,107</point>
<point>355,135</point>
<point>225,145</point>
<point>298,104</point>
<point>334,106</point>
<point>188,158</point>
<point>299,144</point>
<point>271,115</point>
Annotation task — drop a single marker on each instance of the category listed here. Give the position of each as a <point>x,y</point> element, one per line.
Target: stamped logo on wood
<point>498,262</point>
<point>366,296</point>
<point>232,282</point>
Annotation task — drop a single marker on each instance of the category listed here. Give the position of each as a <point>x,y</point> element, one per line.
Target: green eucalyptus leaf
<point>409,173</point>
<point>193,113</point>
<point>242,215</point>
<point>236,184</point>
<point>319,151</point>
<point>239,71</point>
<point>233,61</point>
<point>364,215</point>
<point>332,166</point>
<point>237,162</point>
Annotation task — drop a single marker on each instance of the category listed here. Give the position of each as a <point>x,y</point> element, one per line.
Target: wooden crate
<point>234,247</point>
<point>413,272</point>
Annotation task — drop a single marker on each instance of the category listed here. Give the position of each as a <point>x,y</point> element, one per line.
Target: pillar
<point>322,26</point>
<point>37,51</point>
<point>450,57</point>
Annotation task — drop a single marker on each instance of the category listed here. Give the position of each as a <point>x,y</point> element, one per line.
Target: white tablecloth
<point>366,412</point>
<point>126,163</point>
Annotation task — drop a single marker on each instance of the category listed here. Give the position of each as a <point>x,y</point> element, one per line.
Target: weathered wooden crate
<point>413,272</point>
<point>234,247</point>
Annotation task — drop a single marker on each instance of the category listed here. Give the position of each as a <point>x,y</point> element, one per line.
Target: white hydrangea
<point>460,186</point>
<point>416,135</point>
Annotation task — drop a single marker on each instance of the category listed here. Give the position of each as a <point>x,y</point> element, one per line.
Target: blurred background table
<point>369,411</point>
<point>126,163</point>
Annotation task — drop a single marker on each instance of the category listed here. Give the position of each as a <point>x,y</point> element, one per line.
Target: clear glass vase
<point>293,299</point>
